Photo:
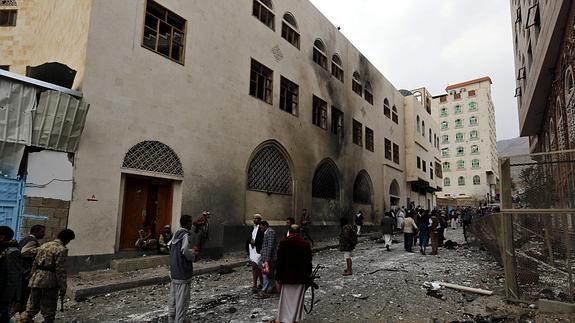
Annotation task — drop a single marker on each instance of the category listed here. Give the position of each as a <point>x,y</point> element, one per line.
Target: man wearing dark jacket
<point>181,270</point>
<point>10,273</point>
<point>29,249</point>
<point>387,229</point>
<point>293,269</point>
<point>347,243</point>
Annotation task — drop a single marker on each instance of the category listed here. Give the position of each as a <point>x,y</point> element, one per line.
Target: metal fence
<point>533,236</point>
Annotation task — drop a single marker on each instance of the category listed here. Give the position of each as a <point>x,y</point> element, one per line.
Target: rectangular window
<point>357,133</point>
<point>5,67</point>
<point>368,97</point>
<point>369,139</point>
<point>387,149</point>
<point>336,122</point>
<point>418,163</point>
<point>457,96</point>
<point>471,93</point>
<point>438,170</point>
<point>443,99</point>
<point>8,18</point>
<point>264,14</point>
<point>396,154</point>
<point>386,111</point>
<point>289,94</point>
<point>319,112</point>
<point>424,164</point>
<point>164,32</point>
<point>395,118</point>
<point>261,82</point>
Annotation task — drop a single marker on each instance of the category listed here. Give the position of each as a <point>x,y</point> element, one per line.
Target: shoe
<point>263,295</point>
<point>387,247</point>
<point>347,273</point>
<point>255,290</point>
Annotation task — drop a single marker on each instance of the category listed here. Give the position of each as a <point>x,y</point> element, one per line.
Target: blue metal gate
<point>11,203</point>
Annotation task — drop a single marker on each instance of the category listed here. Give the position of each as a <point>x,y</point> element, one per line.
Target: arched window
<point>337,67</point>
<point>460,151</point>
<point>446,166</point>
<point>362,189</point>
<point>458,123</point>
<point>443,112</point>
<point>320,53</point>
<point>325,181</point>
<point>153,156</point>
<point>394,189</point>
<point>394,115</point>
<point>475,149</point>
<point>444,125</point>
<point>445,152</point>
<point>476,180</point>
<point>368,93</point>
<point>269,172</point>
<point>475,164</point>
<point>461,181</point>
<point>474,135</point>
<point>473,121</point>
<point>458,109</point>
<point>472,106</point>
<point>460,164</point>
<point>263,10</point>
<point>356,83</point>
<point>446,181</point>
<point>386,109</point>
<point>459,137</point>
<point>569,85</point>
<point>290,30</point>
<point>418,124</point>
<point>423,128</point>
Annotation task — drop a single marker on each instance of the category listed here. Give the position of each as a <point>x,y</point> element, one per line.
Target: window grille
<point>8,3</point>
<point>325,184</point>
<point>361,189</point>
<point>269,172</point>
<point>153,156</point>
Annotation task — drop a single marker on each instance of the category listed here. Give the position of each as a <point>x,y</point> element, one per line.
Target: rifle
<point>61,303</point>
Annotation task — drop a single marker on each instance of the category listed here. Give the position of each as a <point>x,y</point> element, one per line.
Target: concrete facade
<point>544,48</point>
<point>466,116</point>
<point>423,161</point>
<point>203,111</point>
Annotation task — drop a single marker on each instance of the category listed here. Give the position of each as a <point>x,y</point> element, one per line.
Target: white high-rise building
<point>466,117</point>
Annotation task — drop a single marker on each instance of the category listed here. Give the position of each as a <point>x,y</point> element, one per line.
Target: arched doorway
<point>269,183</point>
<point>363,195</point>
<point>394,194</point>
<point>149,172</point>
<point>326,192</point>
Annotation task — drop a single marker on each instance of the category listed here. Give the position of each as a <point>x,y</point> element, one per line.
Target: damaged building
<point>237,107</point>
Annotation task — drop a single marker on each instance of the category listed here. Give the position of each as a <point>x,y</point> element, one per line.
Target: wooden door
<point>135,211</point>
<point>164,206</point>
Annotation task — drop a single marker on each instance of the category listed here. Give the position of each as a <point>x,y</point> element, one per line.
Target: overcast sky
<point>434,43</point>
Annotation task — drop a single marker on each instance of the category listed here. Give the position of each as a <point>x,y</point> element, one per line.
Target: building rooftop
<point>479,80</point>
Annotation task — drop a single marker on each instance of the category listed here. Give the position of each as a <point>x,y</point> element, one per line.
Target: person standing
<point>423,231</point>
<point>201,232</point>
<point>387,229</point>
<point>11,270</point>
<point>400,218</point>
<point>268,259</point>
<point>48,280</point>
<point>435,232</point>
<point>293,270</point>
<point>409,229</point>
<point>181,270</point>
<point>289,222</point>
<point>305,223</point>
<point>347,243</point>
<point>29,249</point>
<point>165,237</point>
<point>467,217</point>
<point>359,221</point>
<point>253,248</point>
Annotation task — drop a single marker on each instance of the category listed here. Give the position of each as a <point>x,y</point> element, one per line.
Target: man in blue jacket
<point>181,270</point>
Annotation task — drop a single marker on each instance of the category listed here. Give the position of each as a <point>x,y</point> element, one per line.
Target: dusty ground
<point>385,287</point>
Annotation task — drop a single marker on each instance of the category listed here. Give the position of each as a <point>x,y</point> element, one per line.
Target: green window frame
<point>446,181</point>
<point>474,135</point>
<point>446,166</point>
<point>475,164</point>
<point>461,181</point>
<point>443,112</point>
<point>445,152</point>
<point>444,125</point>
<point>445,139</point>
<point>473,121</point>
<point>476,180</point>
<point>474,149</point>
<point>460,164</point>
<point>460,151</point>
<point>458,123</point>
<point>459,137</point>
<point>472,106</point>
<point>458,109</point>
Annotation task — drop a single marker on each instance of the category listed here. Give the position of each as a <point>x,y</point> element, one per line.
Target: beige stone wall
<point>54,215</point>
<point>47,31</point>
<point>203,110</point>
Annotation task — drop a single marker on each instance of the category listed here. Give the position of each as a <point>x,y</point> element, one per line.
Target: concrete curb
<point>81,293</point>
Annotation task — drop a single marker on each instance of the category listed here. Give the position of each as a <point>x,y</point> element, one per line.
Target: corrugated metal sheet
<point>10,158</point>
<point>17,101</point>
<point>58,121</point>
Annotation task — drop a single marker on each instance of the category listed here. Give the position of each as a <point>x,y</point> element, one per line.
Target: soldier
<point>48,279</point>
<point>29,249</point>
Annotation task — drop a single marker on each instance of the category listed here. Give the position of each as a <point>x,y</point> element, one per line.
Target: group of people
<point>32,276</point>
<point>146,240</point>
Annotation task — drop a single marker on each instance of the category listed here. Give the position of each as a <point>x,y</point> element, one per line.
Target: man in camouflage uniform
<point>48,279</point>
<point>29,249</point>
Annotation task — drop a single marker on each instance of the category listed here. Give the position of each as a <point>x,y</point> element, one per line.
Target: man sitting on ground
<point>165,237</point>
